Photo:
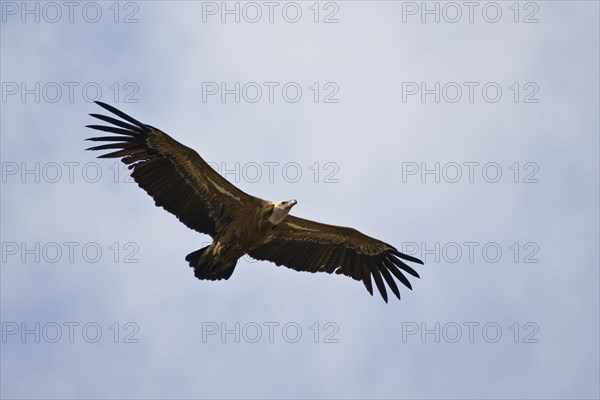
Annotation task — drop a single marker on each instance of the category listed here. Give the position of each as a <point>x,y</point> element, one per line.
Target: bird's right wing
<point>176,177</point>
<point>311,246</point>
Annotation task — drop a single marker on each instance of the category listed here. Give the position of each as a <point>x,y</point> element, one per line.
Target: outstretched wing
<point>306,245</point>
<point>176,177</point>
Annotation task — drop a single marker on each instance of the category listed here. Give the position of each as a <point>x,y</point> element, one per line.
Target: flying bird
<point>182,183</point>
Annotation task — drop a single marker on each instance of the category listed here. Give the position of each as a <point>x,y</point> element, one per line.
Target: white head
<point>281,210</point>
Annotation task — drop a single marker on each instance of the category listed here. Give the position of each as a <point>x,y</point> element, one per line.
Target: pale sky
<point>465,135</point>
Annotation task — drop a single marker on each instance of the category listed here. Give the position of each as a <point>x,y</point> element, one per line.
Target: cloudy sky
<point>464,134</point>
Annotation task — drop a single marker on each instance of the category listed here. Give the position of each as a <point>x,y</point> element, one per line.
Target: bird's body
<point>182,183</point>
<point>218,260</point>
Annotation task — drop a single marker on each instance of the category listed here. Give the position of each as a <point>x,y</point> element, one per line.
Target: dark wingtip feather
<point>120,113</point>
<point>368,284</point>
<point>112,129</point>
<point>406,257</point>
<point>111,139</point>
<point>390,281</point>
<point>117,122</point>
<point>400,264</point>
<point>393,268</point>
<point>380,285</point>
<point>117,145</point>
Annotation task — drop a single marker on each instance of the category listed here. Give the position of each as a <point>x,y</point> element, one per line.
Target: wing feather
<point>311,246</point>
<point>379,283</point>
<point>390,281</point>
<point>368,283</point>
<point>394,270</point>
<point>174,175</point>
<point>115,121</point>
<point>112,129</point>
<point>402,265</point>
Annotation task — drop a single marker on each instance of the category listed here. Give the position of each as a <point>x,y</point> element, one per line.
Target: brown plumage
<point>181,182</point>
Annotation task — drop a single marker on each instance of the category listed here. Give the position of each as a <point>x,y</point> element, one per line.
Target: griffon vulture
<point>181,182</point>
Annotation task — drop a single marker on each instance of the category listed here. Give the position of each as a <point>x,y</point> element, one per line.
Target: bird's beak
<point>293,203</point>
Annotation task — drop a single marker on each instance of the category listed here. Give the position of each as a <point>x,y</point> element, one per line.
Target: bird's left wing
<point>174,175</point>
<point>311,246</point>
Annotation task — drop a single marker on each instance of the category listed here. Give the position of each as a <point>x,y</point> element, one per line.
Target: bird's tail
<point>210,268</point>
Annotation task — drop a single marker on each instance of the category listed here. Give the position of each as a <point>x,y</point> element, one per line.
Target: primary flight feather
<point>181,182</point>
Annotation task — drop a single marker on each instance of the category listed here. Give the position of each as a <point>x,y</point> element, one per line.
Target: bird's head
<point>281,210</point>
<point>286,205</point>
